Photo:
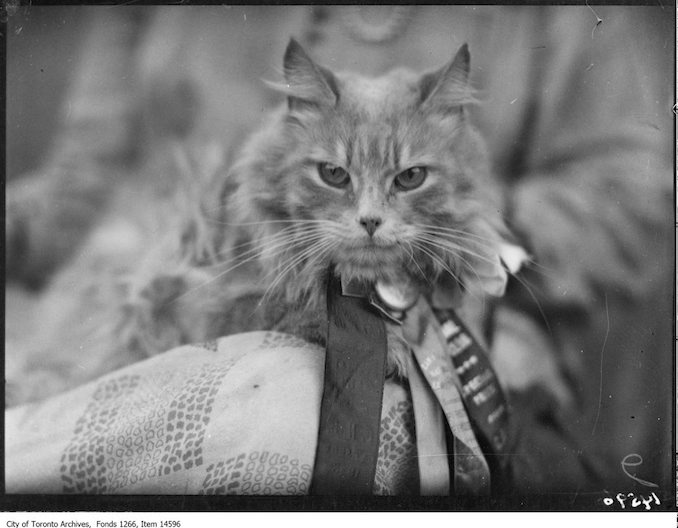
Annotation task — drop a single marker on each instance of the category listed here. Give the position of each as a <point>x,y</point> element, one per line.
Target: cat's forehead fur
<point>382,95</point>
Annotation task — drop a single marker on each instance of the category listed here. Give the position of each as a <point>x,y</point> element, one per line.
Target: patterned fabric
<point>234,416</point>
<point>397,443</point>
<point>132,433</point>
<point>257,473</point>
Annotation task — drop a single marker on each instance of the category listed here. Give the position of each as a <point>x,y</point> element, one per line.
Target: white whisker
<point>448,245</point>
<point>269,237</point>
<point>436,258</point>
<point>298,221</point>
<point>414,261</point>
<point>294,261</point>
<point>278,239</point>
<point>442,263</point>
<point>279,248</point>
<point>262,246</point>
<point>457,251</point>
<point>536,301</point>
<point>459,233</point>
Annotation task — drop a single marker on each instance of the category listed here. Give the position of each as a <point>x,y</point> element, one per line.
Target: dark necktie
<point>350,413</point>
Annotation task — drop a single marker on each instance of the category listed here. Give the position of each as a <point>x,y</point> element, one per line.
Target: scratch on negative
<point>598,19</point>
<point>576,494</point>
<point>600,392</point>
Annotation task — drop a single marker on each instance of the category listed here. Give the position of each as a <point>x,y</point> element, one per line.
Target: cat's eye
<point>411,178</point>
<point>333,175</point>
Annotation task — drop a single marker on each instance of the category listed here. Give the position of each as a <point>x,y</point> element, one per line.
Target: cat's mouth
<point>372,255</point>
<point>371,251</point>
<point>369,261</point>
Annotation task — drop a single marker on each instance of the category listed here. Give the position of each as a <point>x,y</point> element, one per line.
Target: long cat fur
<point>232,258</point>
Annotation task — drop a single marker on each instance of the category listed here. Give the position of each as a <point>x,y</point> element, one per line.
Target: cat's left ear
<point>448,88</point>
<point>307,83</point>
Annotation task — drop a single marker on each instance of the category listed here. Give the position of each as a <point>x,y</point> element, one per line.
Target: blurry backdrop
<point>577,114</point>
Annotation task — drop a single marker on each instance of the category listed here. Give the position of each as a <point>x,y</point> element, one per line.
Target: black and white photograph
<point>340,257</point>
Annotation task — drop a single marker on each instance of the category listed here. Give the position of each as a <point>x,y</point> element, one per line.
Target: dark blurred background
<point>45,48</point>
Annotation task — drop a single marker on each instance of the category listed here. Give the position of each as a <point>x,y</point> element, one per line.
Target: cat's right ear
<point>306,82</point>
<point>448,88</point>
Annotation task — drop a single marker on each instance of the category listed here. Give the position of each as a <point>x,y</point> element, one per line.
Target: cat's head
<point>373,177</point>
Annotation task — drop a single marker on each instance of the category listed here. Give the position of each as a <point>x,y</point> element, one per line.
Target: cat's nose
<point>370,224</point>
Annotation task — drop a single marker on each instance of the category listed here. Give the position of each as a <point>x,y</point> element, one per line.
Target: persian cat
<point>372,178</point>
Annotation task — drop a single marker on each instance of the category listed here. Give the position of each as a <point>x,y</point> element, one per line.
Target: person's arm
<point>593,205</point>
<point>595,196</point>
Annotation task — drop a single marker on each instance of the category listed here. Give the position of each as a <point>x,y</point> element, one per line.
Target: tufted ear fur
<point>448,88</point>
<point>306,81</point>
